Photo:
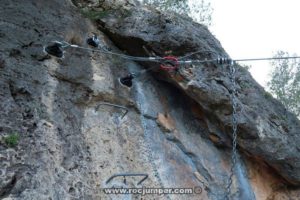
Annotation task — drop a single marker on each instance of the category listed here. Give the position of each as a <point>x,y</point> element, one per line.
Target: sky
<point>257,28</point>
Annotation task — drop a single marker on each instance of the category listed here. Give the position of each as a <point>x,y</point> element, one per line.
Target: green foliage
<point>245,85</point>
<point>285,82</point>
<point>12,140</point>
<point>94,15</point>
<point>200,11</point>
<point>246,67</point>
<point>268,95</point>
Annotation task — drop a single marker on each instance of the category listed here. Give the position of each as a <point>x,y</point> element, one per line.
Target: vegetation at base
<point>12,140</point>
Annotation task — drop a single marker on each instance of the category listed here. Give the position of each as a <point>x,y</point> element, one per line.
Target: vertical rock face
<point>71,141</point>
<point>266,129</point>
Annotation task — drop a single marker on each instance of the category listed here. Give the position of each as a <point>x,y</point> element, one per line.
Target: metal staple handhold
<point>128,174</point>
<point>114,105</point>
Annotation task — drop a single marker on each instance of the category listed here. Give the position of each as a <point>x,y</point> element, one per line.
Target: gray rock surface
<point>69,146</point>
<point>266,130</point>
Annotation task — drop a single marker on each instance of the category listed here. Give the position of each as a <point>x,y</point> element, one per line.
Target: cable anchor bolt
<point>93,41</point>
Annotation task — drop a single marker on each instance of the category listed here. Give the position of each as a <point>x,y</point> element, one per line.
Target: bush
<point>12,140</point>
<point>95,15</point>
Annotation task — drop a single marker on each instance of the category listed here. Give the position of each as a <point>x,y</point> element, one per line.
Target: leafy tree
<point>285,82</point>
<point>246,66</point>
<point>199,10</point>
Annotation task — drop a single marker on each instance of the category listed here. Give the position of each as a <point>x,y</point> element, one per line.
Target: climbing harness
<point>234,124</point>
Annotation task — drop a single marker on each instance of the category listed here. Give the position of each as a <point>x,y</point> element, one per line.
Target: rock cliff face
<point>177,129</point>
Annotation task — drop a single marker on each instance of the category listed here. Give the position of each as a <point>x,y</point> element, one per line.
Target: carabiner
<point>170,63</point>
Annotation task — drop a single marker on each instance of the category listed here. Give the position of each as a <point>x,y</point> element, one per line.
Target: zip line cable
<point>270,58</point>
<point>59,46</point>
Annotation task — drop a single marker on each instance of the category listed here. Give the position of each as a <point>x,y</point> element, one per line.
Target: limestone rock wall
<point>70,143</point>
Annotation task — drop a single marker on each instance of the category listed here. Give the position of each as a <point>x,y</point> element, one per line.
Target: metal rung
<point>114,105</point>
<point>128,174</point>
